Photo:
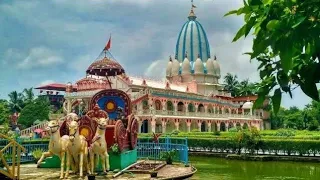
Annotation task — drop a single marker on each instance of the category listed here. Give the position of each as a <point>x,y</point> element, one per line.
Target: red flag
<point>107,47</point>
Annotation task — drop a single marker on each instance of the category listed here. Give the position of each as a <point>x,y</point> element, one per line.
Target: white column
<point>209,126</point>
<point>153,125</point>
<point>199,126</point>
<point>218,126</point>
<point>164,124</point>
<point>189,126</point>
<point>176,123</point>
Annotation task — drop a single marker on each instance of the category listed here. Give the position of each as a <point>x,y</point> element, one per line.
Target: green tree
<point>286,44</point>
<point>37,110</point>
<point>28,95</point>
<point>247,88</point>
<point>232,83</point>
<point>4,112</point>
<point>15,101</point>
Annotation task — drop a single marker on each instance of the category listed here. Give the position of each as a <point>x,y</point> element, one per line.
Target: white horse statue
<point>98,146</point>
<point>77,146</point>
<point>57,145</point>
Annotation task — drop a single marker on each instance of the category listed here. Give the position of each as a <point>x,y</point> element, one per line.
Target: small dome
<point>198,67</point>
<point>175,67</point>
<point>186,67</point>
<point>169,68</point>
<point>105,67</point>
<point>210,67</point>
<point>216,67</point>
<point>247,105</point>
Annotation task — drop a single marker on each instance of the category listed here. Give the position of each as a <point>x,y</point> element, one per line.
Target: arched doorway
<point>201,108</point>
<point>191,107</point>
<point>145,126</point>
<point>238,126</point>
<point>214,127</point>
<point>203,126</point>
<point>158,105</point>
<point>170,107</point>
<point>159,126</point>
<point>145,105</point>
<point>170,126</point>
<point>222,126</point>
<point>245,126</point>
<point>183,126</point>
<point>230,125</point>
<point>181,107</point>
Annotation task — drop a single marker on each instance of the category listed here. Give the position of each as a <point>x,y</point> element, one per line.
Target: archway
<point>245,126</point>
<point>201,108</point>
<point>204,126</point>
<point>170,126</point>
<point>159,126</point>
<point>214,127</point>
<point>210,108</point>
<point>170,106</point>
<point>145,105</point>
<point>222,126</point>
<point>183,126</point>
<point>191,107</point>
<point>181,107</point>
<point>194,125</point>
<point>230,125</point>
<point>158,105</point>
<point>145,126</point>
<point>238,126</point>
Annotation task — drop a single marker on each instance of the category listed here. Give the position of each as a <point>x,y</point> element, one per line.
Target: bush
<point>285,132</point>
<point>195,130</point>
<point>234,129</point>
<point>313,126</point>
<point>216,133</point>
<point>175,132</point>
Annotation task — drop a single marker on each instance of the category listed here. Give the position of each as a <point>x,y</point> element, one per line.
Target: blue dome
<point>192,41</point>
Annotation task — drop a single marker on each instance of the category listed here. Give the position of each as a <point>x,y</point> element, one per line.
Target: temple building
<point>191,98</point>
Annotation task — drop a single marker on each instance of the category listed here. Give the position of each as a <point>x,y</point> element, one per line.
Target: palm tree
<point>231,82</point>
<point>247,88</point>
<point>28,95</point>
<point>16,101</point>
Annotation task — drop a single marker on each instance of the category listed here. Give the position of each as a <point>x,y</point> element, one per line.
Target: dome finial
<point>198,55</point>
<point>215,57</point>
<point>170,58</point>
<point>186,54</point>
<point>192,16</point>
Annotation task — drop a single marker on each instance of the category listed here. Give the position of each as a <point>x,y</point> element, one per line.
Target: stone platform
<point>31,172</point>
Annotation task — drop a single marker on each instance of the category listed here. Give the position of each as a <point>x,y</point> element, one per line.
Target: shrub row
<point>274,146</point>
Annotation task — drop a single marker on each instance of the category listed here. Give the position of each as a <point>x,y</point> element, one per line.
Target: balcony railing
<point>196,114</point>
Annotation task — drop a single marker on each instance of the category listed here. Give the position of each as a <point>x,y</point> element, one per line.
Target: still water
<point>218,168</point>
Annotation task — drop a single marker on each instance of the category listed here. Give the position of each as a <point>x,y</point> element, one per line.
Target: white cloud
<point>40,57</point>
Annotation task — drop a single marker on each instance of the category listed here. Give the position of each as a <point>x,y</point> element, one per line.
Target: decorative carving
<point>121,135</point>
<point>96,112</point>
<point>133,133</point>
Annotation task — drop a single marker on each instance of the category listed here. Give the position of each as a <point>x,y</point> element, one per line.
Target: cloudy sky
<point>55,40</point>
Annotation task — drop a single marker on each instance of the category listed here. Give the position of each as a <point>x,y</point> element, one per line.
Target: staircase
<point>26,132</point>
<point>14,150</point>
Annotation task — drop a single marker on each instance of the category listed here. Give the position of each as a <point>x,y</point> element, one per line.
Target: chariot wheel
<point>120,135</point>
<point>133,133</point>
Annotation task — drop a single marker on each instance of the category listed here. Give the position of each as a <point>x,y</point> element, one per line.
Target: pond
<point>220,168</point>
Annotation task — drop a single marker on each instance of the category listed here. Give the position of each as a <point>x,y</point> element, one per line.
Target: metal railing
<point>149,112</point>
<point>153,150</point>
<point>26,132</point>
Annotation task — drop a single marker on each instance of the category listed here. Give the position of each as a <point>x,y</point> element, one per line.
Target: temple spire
<point>192,16</point>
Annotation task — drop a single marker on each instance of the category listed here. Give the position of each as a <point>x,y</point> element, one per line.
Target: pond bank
<point>257,157</point>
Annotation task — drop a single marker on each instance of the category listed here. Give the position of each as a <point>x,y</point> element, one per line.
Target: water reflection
<point>219,168</point>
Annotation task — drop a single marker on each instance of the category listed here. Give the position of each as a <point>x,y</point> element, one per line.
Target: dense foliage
<point>286,44</point>
<point>25,103</point>
<point>239,88</point>
<point>36,110</point>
